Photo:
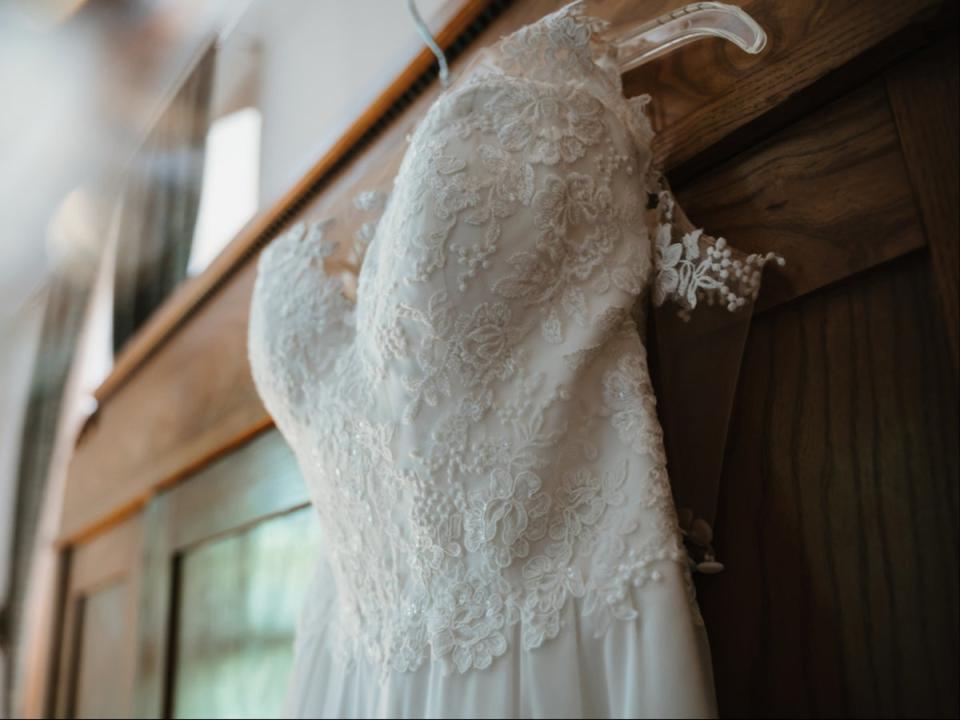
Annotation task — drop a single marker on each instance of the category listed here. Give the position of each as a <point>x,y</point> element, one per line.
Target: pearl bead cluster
<point>638,569</point>
<point>474,259</point>
<point>740,278</point>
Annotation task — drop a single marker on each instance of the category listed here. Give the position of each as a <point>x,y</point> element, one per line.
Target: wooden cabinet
<point>838,509</point>
<point>188,609</point>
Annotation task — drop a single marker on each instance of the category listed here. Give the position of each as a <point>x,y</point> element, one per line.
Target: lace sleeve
<point>698,356</point>
<point>691,267</point>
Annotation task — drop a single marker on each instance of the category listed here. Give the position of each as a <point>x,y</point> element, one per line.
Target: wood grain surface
<point>924,97</point>
<point>838,511</point>
<point>830,193</point>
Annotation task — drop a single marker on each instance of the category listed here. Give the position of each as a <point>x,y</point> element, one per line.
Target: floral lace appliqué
<point>699,267</point>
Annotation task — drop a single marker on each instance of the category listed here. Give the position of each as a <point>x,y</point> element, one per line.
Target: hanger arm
<point>642,42</point>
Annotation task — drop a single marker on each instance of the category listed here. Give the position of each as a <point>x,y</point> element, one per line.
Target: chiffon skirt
<point>657,665</point>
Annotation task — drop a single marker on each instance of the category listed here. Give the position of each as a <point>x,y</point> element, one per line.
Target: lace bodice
<point>478,432</point>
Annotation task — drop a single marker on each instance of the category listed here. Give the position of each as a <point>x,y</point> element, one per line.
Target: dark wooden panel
<point>838,512</point>
<point>710,89</point>
<point>924,96</point>
<point>830,193</point>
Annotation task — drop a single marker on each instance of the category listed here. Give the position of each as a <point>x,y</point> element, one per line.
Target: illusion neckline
<point>572,28</point>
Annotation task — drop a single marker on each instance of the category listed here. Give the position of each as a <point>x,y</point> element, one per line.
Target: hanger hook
<point>430,42</point>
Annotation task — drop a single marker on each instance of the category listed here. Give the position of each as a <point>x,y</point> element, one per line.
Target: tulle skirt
<point>655,666</point>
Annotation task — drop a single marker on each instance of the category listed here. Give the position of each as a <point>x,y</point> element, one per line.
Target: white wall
<point>322,63</point>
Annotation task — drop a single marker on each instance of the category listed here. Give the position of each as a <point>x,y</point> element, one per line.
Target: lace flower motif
<point>560,45</point>
<point>576,222</point>
<point>548,125</point>
<point>506,516</point>
<point>485,343</point>
<point>466,623</point>
<point>628,396</point>
<point>700,267</point>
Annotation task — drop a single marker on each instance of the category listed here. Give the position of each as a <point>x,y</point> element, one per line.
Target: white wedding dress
<point>478,432</point>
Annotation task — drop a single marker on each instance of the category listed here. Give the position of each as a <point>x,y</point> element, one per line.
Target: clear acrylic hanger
<point>430,42</point>
<point>639,43</point>
<point>646,40</point>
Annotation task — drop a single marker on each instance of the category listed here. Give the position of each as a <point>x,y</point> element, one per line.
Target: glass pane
<point>238,605</point>
<point>101,661</point>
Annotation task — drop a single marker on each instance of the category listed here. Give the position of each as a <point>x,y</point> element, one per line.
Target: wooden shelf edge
<point>69,535</point>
